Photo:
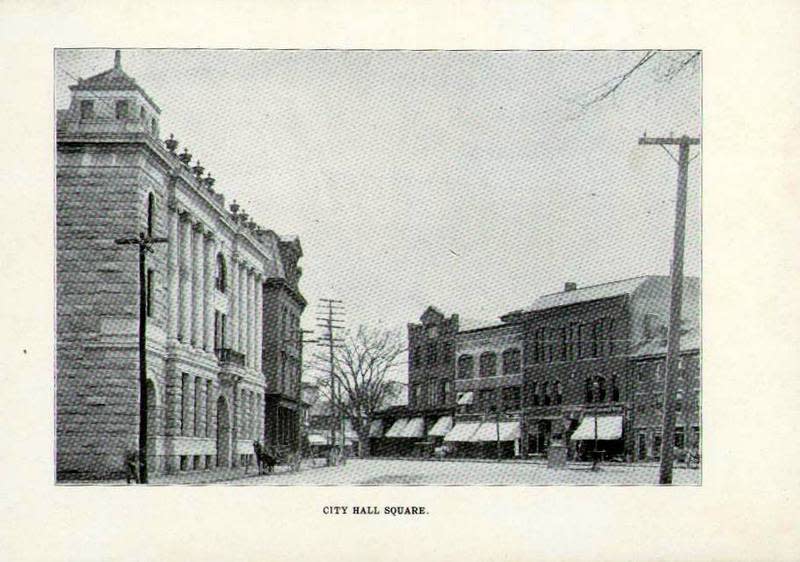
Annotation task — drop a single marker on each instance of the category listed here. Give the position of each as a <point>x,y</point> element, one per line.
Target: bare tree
<point>669,65</point>
<point>361,369</point>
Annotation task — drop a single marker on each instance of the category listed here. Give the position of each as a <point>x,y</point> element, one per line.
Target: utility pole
<point>145,244</point>
<point>296,339</point>
<point>329,316</point>
<point>676,296</point>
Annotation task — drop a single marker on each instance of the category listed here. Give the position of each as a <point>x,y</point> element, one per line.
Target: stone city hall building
<point>222,299</point>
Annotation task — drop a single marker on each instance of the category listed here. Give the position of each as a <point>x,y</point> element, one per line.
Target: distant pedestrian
<point>132,465</point>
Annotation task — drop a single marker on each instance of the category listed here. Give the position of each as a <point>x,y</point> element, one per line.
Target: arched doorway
<point>152,429</point>
<point>223,433</point>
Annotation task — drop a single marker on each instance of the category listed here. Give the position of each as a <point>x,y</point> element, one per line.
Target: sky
<point>472,181</point>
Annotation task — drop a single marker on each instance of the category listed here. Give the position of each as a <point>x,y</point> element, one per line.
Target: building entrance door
<point>223,433</point>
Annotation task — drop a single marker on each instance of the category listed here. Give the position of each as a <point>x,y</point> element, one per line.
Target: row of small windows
<point>487,364</point>
<point>434,393</point>
<point>122,110</point>
<point>430,354</point>
<point>575,341</point>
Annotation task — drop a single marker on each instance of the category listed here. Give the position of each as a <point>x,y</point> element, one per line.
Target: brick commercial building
<point>431,372</point>
<point>579,349</point>
<point>207,305</point>
<point>488,392</point>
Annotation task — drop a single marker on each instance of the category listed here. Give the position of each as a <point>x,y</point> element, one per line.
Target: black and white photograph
<point>378,267</point>
<point>399,280</point>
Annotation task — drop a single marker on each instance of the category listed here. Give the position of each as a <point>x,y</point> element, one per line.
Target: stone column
<point>259,320</point>
<point>241,314</point>
<point>186,404</point>
<point>209,265</point>
<point>251,313</point>
<point>246,311</point>
<point>197,286</point>
<point>186,280</point>
<point>173,267</point>
<point>233,303</point>
<point>209,432</point>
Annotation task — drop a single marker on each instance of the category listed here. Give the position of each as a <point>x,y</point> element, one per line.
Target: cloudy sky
<point>473,181</point>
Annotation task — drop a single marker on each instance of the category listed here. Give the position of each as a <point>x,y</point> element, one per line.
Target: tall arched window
<point>601,389</point>
<point>221,275</point>
<point>488,364</point>
<point>589,391</point>
<point>614,389</point>
<point>151,213</point>
<point>465,366</point>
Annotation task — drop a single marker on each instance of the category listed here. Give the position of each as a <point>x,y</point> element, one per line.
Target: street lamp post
<point>145,244</point>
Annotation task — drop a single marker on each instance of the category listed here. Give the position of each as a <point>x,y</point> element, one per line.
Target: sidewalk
<point>199,477</point>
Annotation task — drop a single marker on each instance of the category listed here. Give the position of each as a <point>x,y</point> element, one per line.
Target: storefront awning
<point>397,429</point>
<point>488,431</point>
<point>465,398</point>
<point>442,426</point>
<point>376,428</point>
<point>415,428</point>
<point>462,432</point>
<point>608,428</point>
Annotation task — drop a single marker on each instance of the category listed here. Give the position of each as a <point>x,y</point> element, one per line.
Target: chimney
<point>570,286</point>
<point>117,59</point>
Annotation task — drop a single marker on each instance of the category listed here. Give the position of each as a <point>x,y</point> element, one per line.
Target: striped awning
<point>397,429</point>
<point>442,427</point>
<point>415,428</point>
<point>607,428</point>
<point>489,431</point>
<point>462,432</point>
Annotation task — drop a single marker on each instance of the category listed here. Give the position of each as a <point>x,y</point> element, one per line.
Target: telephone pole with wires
<point>145,244</point>
<point>330,314</point>
<point>684,144</point>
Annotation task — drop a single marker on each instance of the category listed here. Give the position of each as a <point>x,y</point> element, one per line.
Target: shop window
<point>488,364</point>
<point>465,366</point>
